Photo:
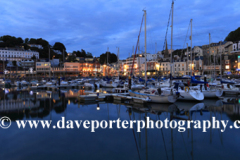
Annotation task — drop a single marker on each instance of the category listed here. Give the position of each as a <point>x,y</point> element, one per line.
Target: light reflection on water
<point>114,143</point>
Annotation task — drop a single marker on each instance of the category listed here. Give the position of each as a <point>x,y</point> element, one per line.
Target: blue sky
<point>95,25</point>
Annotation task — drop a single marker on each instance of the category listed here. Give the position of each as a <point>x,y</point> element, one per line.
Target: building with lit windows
<point>43,66</point>
<point>127,65</point>
<point>17,54</point>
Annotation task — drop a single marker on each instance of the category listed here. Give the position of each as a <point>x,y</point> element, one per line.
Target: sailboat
<point>153,95</point>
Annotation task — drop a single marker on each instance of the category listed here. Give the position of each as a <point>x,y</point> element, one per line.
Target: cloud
<point>95,25</point>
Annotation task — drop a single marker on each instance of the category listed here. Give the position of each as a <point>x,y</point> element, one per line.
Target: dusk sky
<point>95,25</point>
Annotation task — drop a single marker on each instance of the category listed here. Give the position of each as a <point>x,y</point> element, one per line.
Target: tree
<point>59,46</point>
<point>233,36</point>
<point>32,41</point>
<point>89,55</point>
<point>111,58</point>
<point>34,57</point>
<point>71,58</point>
<point>26,40</point>
<point>26,47</point>
<point>10,41</point>
<point>19,40</point>
<point>81,53</point>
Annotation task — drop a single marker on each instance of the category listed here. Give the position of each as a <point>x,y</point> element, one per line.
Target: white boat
<point>108,84</point>
<point>228,89</point>
<point>88,85</point>
<point>17,83</point>
<point>49,84</point>
<point>210,92</point>
<point>43,81</point>
<point>165,83</point>
<point>137,86</point>
<point>23,82</point>
<point>191,95</point>
<point>54,81</point>
<point>186,93</point>
<point>154,96</point>
<point>2,82</point>
<point>63,83</point>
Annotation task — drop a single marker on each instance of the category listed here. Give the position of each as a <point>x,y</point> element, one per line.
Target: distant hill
<point>234,35</point>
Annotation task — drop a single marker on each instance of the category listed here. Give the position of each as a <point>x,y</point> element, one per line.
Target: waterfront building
<point>236,47</point>
<point>26,64</point>
<point>87,68</point>
<point>179,68</point>
<point>127,65</point>
<point>152,68</point>
<point>198,50</point>
<point>164,67</point>
<point>43,66</point>
<point>17,54</point>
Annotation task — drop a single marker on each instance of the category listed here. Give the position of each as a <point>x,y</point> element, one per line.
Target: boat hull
<point>154,98</point>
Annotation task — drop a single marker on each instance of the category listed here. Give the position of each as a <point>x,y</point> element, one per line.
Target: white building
<point>198,50</point>
<point>150,56</point>
<point>236,47</point>
<point>127,65</point>
<point>17,55</point>
<point>164,67</point>
<point>180,68</point>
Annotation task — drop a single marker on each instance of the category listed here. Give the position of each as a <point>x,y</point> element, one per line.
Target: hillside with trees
<point>14,42</point>
<point>233,36</point>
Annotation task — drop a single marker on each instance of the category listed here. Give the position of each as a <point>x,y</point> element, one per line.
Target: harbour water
<point>81,143</point>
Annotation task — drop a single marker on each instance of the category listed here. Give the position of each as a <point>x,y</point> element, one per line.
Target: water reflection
<point>129,144</point>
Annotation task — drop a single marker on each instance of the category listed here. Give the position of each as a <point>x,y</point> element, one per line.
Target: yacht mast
<point>187,60</point>
<point>49,62</point>
<point>210,52</point>
<point>191,50</point>
<point>145,15</point>
<point>171,69</point>
<point>133,61</point>
<point>221,60</point>
<point>118,60</point>
<point>107,59</point>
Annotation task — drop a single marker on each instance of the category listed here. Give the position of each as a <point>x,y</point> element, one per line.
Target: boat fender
<point>186,89</point>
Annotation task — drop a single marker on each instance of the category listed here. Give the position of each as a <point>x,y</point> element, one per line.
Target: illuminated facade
<point>82,68</point>
<point>127,65</point>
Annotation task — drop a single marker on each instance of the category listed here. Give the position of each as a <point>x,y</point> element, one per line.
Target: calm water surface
<point>114,143</point>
